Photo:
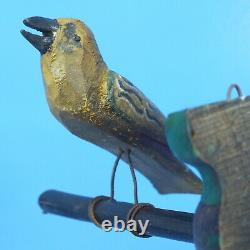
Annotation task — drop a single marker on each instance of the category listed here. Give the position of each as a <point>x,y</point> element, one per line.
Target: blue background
<point>179,53</point>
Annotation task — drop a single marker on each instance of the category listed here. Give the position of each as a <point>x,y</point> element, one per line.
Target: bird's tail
<point>156,162</point>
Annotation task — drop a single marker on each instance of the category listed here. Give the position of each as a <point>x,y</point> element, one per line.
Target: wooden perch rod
<point>163,223</point>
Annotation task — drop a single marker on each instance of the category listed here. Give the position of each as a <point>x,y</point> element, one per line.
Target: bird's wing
<point>135,107</point>
<point>151,154</point>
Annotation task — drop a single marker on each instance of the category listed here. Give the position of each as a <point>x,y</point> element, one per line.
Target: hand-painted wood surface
<point>218,138</point>
<point>102,107</point>
<point>169,224</point>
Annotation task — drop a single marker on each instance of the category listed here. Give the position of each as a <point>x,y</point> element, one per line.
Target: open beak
<point>45,25</point>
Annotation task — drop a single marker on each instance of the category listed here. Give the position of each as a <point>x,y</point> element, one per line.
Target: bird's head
<point>69,53</point>
<point>67,36</point>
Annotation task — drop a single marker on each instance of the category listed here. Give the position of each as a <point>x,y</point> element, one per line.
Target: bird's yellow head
<point>69,54</point>
<point>64,35</point>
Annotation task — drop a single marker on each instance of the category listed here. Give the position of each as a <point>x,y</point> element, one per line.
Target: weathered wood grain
<point>220,133</point>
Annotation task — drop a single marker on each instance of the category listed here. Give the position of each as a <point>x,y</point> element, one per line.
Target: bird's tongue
<point>46,26</point>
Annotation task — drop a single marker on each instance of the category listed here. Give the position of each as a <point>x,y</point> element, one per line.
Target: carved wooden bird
<point>101,106</point>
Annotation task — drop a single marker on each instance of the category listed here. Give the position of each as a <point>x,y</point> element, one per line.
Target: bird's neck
<point>71,80</point>
<point>93,69</point>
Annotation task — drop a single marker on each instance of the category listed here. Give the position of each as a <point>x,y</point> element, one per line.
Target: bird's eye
<point>77,38</point>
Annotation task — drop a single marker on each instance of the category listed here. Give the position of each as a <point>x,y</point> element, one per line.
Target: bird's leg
<point>98,199</point>
<point>132,170</point>
<point>112,187</point>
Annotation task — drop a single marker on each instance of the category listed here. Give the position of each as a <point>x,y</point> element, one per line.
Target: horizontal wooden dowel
<point>163,223</point>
